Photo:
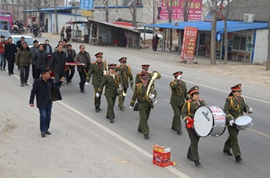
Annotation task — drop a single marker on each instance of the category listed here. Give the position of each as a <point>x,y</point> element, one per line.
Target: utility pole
<point>170,21</point>
<point>116,10</point>
<point>154,11</point>
<point>134,18</point>
<point>56,18</point>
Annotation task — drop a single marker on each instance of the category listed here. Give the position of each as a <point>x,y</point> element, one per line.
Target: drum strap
<point>188,108</point>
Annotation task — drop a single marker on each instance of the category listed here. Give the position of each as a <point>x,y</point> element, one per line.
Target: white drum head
<point>203,121</point>
<point>243,120</point>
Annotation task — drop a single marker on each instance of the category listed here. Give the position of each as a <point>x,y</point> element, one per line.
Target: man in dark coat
<point>47,47</point>
<point>9,53</point>
<point>46,91</point>
<point>19,43</point>
<point>33,50</point>
<point>40,61</point>
<point>57,63</point>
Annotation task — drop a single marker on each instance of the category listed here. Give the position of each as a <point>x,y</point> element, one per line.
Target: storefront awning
<point>233,26</point>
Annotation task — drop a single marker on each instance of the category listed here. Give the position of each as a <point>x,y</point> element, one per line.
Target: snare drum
<point>209,121</point>
<point>243,122</point>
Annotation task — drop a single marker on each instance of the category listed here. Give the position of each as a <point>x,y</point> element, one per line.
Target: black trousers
<point>70,73</point>
<point>36,73</point>
<point>83,79</point>
<point>11,66</point>
<point>24,74</point>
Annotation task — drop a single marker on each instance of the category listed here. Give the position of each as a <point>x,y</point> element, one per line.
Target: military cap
<point>112,66</point>
<point>177,73</point>
<point>194,90</point>
<point>99,54</point>
<point>237,87</point>
<point>145,66</point>
<point>123,59</point>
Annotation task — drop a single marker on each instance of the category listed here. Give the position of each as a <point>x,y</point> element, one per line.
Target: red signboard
<point>195,9</point>
<point>189,43</point>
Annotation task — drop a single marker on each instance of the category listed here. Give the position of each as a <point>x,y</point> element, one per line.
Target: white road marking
<point>136,147</point>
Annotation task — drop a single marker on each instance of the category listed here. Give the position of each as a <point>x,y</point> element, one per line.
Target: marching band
<point>200,120</point>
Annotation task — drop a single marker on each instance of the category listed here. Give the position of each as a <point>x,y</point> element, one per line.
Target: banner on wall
<point>163,6</point>
<point>189,43</point>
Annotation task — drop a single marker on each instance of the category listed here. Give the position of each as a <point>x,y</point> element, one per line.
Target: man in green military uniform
<point>144,71</point>
<point>97,69</point>
<point>112,87</point>
<point>234,107</point>
<point>145,104</point>
<point>125,75</point>
<point>178,98</point>
<point>188,112</point>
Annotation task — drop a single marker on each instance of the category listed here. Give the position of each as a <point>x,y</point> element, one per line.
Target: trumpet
<point>151,86</point>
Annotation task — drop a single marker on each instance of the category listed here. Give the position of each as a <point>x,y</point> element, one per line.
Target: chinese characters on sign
<point>195,9</point>
<point>87,4</point>
<point>189,43</point>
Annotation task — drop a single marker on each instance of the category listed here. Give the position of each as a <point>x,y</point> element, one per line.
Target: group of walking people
<point>116,79</point>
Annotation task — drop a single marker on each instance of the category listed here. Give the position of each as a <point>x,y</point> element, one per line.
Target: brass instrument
<point>151,85</point>
<point>121,81</point>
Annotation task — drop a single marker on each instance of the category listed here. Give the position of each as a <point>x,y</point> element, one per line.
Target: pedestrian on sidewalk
<point>155,42</point>
<point>23,60</point>
<point>46,91</point>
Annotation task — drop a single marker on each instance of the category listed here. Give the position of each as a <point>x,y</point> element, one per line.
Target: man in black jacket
<point>40,61</point>
<point>46,91</point>
<point>9,53</point>
<point>47,47</point>
<point>70,56</point>
<point>57,63</point>
<point>19,43</point>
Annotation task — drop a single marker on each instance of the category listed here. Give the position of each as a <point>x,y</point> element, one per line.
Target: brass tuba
<point>151,86</point>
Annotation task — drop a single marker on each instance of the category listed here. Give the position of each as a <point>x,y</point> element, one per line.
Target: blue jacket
<point>45,92</point>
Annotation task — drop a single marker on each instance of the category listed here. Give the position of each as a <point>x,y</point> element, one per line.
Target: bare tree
<point>213,10</point>
<point>186,9</point>
<point>104,10</point>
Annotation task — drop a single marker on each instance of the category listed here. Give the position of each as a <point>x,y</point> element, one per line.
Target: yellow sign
<point>87,13</point>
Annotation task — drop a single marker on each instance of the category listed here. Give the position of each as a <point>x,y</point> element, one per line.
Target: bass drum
<point>209,121</point>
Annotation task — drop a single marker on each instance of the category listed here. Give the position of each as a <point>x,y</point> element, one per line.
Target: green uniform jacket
<point>97,73</point>
<point>112,85</point>
<point>125,75</point>
<point>234,108</point>
<point>138,77</point>
<point>23,57</point>
<point>140,95</point>
<point>189,108</point>
<point>179,93</point>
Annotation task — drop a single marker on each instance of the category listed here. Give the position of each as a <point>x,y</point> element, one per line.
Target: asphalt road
<point>84,144</point>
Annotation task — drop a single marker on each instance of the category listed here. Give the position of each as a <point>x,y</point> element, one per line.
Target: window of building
<point>239,43</point>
